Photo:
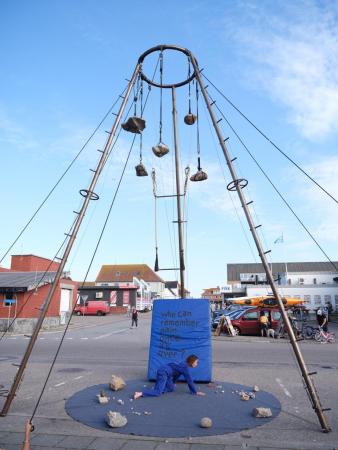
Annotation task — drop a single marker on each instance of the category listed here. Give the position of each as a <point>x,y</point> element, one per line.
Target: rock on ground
<point>261,412</point>
<point>206,422</point>
<point>117,383</point>
<point>116,420</point>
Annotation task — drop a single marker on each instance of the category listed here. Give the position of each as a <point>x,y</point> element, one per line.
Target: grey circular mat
<point>176,414</point>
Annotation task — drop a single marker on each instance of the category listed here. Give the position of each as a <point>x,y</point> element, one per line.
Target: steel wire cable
<point>62,176</point>
<point>47,270</point>
<point>270,141</point>
<point>276,190</point>
<point>89,266</point>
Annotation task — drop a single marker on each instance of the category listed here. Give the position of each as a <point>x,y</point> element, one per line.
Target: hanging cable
<point>271,142</point>
<point>161,94</point>
<point>276,190</point>
<point>153,176</point>
<point>61,177</point>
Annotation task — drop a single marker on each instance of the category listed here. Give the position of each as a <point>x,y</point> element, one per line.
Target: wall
<point>32,263</point>
<point>32,301</point>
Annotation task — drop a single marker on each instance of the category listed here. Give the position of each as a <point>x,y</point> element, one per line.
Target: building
<point>24,289</point>
<point>173,290</point>
<point>119,297</point>
<point>213,294</point>
<point>314,282</point>
<point>149,284</point>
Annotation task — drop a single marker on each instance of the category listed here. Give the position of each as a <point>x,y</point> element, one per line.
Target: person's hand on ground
<point>137,395</point>
<point>200,393</point>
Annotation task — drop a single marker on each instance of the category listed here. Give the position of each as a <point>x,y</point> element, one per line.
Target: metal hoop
<point>241,182</point>
<point>85,193</point>
<point>161,48</point>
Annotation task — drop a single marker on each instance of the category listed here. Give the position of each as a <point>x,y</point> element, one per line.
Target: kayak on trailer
<point>266,301</point>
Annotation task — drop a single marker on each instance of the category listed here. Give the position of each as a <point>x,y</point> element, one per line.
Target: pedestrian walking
<point>134,317</point>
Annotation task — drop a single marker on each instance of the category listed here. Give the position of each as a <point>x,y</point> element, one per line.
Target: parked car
<point>248,321</point>
<point>231,314</point>
<point>92,307</point>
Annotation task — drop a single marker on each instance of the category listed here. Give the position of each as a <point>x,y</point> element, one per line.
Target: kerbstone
<point>106,444</point>
<point>139,445</point>
<point>47,440</point>
<point>207,447</point>
<point>172,446</point>
<point>80,442</point>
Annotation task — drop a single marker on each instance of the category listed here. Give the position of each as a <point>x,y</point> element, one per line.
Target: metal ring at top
<point>161,48</point>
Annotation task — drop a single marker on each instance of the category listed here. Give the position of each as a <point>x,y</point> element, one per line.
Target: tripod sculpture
<point>136,125</point>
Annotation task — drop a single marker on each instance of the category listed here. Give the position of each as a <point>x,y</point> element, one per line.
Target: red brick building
<point>24,288</point>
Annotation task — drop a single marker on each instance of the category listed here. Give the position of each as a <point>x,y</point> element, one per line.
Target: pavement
<point>295,428</point>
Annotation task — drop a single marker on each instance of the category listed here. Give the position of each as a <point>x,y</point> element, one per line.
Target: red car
<point>92,307</point>
<point>248,322</point>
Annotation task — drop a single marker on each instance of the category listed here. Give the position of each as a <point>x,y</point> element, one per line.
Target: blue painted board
<point>179,328</point>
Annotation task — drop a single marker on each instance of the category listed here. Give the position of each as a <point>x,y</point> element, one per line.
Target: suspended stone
<point>199,176</point>
<point>134,125</point>
<point>160,150</point>
<point>116,420</point>
<point>141,170</point>
<point>190,119</point>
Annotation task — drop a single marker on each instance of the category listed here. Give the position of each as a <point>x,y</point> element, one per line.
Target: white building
<point>314,282</point>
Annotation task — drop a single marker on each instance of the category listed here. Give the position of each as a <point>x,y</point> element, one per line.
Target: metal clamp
<point>241,182</point>
<point>85,193</point>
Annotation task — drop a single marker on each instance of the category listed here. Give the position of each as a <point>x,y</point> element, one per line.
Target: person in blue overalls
<point>168,374</point>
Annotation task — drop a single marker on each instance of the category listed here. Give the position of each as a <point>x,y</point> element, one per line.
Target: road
<point>94,348</point>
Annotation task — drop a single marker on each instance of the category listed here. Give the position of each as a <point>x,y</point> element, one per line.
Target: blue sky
<point>64,63</point>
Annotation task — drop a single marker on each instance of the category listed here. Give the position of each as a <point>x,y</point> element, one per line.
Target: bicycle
<point>324,337</point>
<point>304,331</point>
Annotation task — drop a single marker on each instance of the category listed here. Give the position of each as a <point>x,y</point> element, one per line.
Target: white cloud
<point>295,57</point>
<point>323,210</point>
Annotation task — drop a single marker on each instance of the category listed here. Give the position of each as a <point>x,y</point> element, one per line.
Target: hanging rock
<point>117,383</point>
<point>116,420</point>
<point>261,412</point>
<point>134,125</point>
<point>199,176</point>
<point>190,119</point>
<point>206,422</point>
<point>160,150</point>
<point>255,388</point>
<point>141,171</point>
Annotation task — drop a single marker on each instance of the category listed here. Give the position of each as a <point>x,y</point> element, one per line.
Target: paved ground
<point>96,347</point>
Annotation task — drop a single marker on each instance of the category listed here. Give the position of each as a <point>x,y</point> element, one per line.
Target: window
<point>327,298</point>
<point>99,295</point>
<point>289,281</point>
<point>276,315</point>
<point>251,315</point>
<point>307,298</point>
<point>301,280</point>
<point>317,299</point>
<point>315,281</point>
<point>8,300</point>
<point>118,274</point>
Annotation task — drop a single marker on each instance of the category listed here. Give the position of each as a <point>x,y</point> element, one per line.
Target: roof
<point>234,270</point>
<point>28,280</point>
<point>126,272</point>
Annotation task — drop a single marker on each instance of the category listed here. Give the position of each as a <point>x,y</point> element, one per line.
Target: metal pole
<point>178,195</point>
<point>313,395</point>
<point>72,237</point>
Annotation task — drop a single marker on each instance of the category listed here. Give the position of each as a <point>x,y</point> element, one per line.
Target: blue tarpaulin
<point>179,328</point>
